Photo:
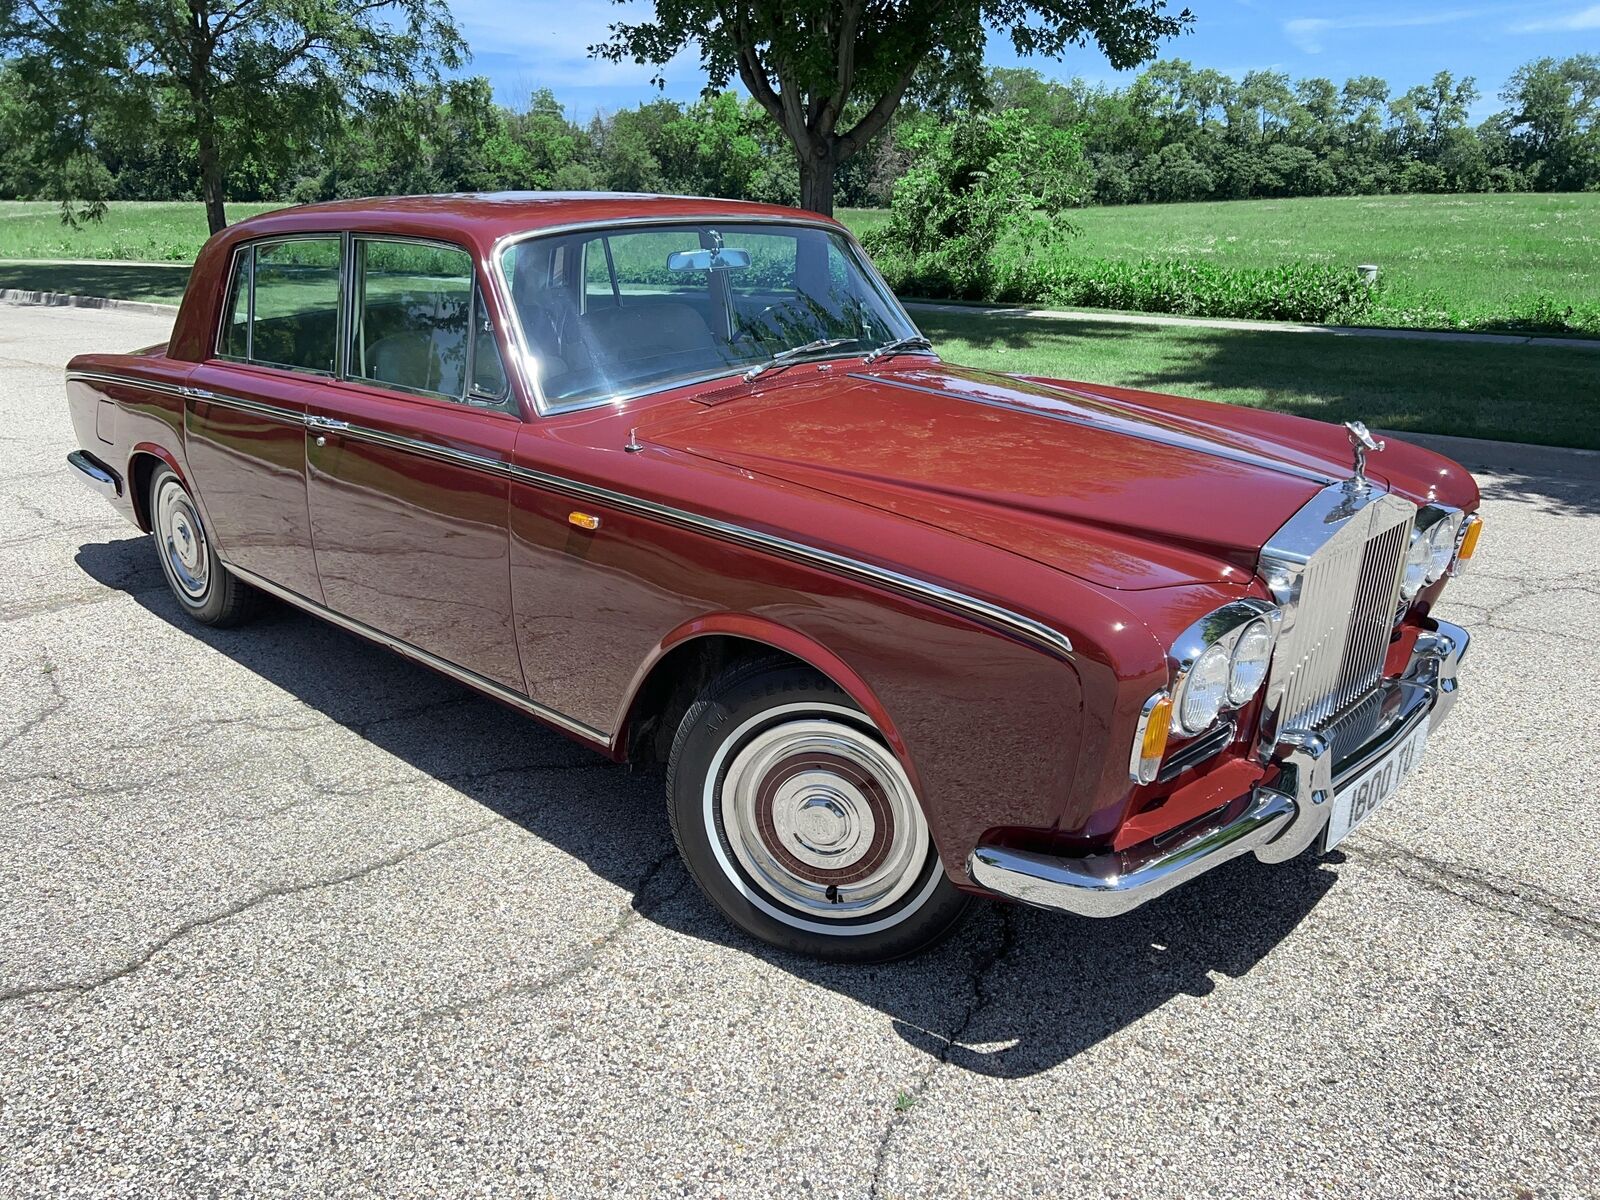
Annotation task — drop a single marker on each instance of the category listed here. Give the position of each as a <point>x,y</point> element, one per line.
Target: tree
<point>832,72</point>
<point>240,79</point>
<point>1554,120</point>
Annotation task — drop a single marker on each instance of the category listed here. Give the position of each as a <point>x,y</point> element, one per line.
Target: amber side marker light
<point>1469,543</point>
<point>1150,743</point>
<point>583,520</point>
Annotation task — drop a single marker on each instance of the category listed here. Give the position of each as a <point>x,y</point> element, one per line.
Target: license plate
<point>1362,796</point>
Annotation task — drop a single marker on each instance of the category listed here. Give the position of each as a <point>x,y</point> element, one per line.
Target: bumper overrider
<point>1276,821</point>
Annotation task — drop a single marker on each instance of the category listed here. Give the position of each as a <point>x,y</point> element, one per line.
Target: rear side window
<point>420,323</point>
<point>294,314</point>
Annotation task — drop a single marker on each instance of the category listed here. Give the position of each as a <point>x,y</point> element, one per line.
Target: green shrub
<point>1048,275</point>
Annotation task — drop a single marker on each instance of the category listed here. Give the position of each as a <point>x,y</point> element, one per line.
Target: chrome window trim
<point>522,358</point>
<point>983,611</point>
<point>442,665</point>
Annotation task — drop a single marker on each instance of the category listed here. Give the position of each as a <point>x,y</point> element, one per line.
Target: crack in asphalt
<point>978,975</point>
<point>54,703</point>
<point>639,906</point>
<point>1482,889</point>
<point>230,911</point>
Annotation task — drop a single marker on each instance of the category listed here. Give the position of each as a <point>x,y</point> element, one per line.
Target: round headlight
<point>1251,654</point>
<point>1419,559</point>
<point>1205,688</point>
<point>1442,546</point>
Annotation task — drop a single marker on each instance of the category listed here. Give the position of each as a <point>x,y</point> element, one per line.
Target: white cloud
<point>552,41</point>
<point>1309,33</point>
<point>1583,18</point>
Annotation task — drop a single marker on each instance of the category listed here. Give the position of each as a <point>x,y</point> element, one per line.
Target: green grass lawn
<point>133,230</point>
<point>1443,260</point>
<point>1515,393</point>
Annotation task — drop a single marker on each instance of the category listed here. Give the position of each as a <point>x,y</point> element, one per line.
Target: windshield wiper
<point>889,349</point>
<point>794,352</point>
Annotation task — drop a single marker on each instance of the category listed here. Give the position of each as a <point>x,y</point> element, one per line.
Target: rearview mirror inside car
<point>708,260</point>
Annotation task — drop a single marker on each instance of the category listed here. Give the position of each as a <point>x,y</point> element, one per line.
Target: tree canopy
<point>245,82</point>
<point>831,73</point>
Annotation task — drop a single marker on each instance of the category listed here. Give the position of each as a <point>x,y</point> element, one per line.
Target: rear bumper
<point>1276,822</point>
<point>96,474</point>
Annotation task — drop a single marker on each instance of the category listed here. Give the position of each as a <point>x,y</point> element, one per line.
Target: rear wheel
<point>206,589</point>
<point>799,823</point>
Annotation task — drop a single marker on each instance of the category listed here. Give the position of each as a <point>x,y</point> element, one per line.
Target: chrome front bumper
<point>1276,822</point>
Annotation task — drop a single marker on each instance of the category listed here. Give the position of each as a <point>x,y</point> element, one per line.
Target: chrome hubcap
<point>184,553</point>
<point>820,816</point>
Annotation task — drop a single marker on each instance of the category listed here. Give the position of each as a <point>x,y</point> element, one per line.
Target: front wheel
<point>799,823</point>
<point>206,589</point>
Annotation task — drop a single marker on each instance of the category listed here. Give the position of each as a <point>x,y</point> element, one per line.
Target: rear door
<point>406,459</point>
<point>244,435</point>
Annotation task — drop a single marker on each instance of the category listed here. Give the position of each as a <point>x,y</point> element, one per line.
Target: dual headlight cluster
<point>1222,660</point>
<point>1438,540</point>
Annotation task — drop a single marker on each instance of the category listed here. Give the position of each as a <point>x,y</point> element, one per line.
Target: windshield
<point>611,312</point>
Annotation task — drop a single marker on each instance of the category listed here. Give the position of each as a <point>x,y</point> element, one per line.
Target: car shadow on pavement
<point>1016,991</point>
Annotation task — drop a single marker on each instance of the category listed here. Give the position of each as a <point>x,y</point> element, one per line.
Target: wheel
<point>799,823</point>
<point>206,589</point>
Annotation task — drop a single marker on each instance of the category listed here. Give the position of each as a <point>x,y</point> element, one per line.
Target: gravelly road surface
<point>281,913</point>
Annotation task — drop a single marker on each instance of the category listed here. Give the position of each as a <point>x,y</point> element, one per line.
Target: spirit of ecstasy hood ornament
<point>1362,441</point>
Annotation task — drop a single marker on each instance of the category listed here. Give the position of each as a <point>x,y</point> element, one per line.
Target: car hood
<point>1126,490</point>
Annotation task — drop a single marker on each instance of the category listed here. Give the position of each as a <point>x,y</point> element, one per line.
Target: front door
<point>408,508</point>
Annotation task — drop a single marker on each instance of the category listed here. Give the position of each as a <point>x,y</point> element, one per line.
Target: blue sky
<point>523,47</point>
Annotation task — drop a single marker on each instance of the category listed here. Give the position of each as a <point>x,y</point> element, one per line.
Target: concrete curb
<point>20,297</point>
<point>1110,318</point>
<point>1519,458</point>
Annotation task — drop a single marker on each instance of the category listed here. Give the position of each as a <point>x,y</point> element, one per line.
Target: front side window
<point>413,317</point>
<point>650,306</point>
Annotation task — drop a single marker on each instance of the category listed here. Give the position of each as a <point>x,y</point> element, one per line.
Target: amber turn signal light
<point>1150,741</point>
<point>1469,543</point>
<point>583,520</point>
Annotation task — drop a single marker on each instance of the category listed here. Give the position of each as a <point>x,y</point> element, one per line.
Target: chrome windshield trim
<point>1143,433</point>
<point>443,666</point>
<point>523,358</point>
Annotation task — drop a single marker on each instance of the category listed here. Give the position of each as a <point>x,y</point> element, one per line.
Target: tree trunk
<point>816,177</point>
<point>211,174</point>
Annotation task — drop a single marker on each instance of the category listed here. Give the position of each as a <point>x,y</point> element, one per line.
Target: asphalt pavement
<point>283,914</point>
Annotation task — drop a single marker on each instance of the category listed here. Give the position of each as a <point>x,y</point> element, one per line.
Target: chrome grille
<point>1336,567</point>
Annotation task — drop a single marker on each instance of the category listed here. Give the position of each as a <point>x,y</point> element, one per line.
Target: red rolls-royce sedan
<point>681,479</point>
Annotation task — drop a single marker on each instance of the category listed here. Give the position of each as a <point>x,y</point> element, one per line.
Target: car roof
<point>483,218</point>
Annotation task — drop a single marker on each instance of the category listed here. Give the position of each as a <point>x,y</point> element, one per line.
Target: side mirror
<point>708,260</point>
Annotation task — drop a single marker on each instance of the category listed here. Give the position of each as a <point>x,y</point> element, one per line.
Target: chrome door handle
<point>316,422</point>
